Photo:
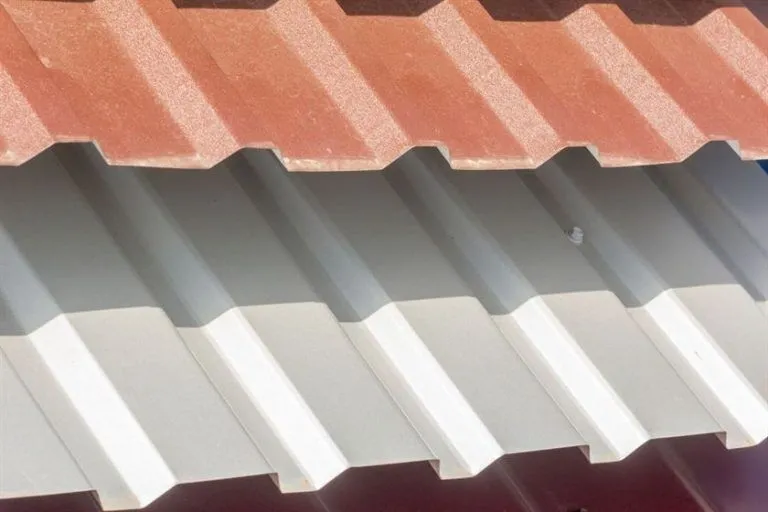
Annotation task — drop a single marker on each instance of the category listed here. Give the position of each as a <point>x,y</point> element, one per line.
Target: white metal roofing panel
<point>570,321</point>
<point>40,467</point>
<point>165,327</point>
<point>255,324</point>
<point>702,320</point>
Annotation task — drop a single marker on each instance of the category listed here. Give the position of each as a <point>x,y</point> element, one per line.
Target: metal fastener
<point>575,235</point>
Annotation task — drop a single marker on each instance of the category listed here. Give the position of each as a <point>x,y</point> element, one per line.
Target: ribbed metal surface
<point>692,474</point>
<point>353,84</point>
<point>160,327</point>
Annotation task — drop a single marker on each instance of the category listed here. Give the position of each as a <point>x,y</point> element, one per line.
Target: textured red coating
<point>352,84</point>
<point>694,474</point>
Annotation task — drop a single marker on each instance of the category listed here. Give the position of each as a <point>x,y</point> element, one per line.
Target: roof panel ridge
<point>508,101</point>
<point>157,41</point>
<point>307,457</point>
<point>347,86</point>
<point>446,420</point>
<point>665,291</point>
<point>608,36</point>
<point>33,113</point>
<point>549,346</point>
<point>130,470</point>
<point>737,34</point>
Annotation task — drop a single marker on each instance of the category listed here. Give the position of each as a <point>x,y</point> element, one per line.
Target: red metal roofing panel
<point>352,84</point>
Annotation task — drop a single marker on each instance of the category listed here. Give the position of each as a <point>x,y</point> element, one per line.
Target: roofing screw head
<point>575,235</point>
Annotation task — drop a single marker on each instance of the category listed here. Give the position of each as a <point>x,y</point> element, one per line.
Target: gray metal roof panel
<point>163,327</point>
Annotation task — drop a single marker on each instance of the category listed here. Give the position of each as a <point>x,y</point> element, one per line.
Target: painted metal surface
<point>683,475</point>
<point>159,328</point>
<point>353,84</point>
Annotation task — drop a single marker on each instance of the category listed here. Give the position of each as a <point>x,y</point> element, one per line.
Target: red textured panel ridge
<point>353,84</point>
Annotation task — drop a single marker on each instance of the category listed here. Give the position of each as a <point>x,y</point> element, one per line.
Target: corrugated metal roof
<point>353,84</point>
<point>694,474</point>
<point>159,328</point>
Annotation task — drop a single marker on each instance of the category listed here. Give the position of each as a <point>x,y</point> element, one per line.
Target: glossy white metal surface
<point>160,327</point>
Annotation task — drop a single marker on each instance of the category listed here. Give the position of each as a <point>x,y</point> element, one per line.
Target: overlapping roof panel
<point>353,84</point>
<point>159,328</point>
